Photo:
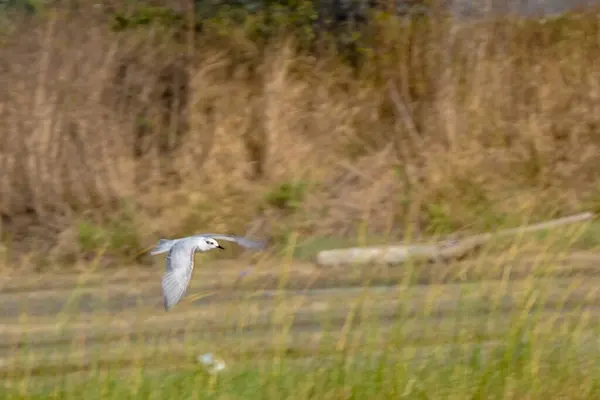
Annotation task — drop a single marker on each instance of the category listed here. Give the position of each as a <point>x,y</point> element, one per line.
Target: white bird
<point>180,260</point>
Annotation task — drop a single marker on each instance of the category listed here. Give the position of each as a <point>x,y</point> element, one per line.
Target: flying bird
<point>180,260</point>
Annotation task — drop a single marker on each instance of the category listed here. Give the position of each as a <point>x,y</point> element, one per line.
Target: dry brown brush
<point>115,139</point>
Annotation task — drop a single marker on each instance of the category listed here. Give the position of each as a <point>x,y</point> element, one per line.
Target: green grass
<point>514,369</point>
<point>503,337</point>
<point>534,356</point>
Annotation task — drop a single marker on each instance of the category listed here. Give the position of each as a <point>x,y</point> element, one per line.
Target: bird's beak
<point>220,247</point>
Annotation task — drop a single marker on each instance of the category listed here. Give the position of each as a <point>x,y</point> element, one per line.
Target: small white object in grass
<point>213,365</point>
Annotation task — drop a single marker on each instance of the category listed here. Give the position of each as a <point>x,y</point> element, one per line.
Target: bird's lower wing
<point>180,263</point>
<point>174,286</point>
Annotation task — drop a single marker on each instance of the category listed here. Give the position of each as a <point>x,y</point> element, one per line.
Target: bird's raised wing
<point>178,272</point>
<point>242,241</point>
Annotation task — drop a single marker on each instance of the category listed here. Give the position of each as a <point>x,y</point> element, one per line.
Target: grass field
<point>521,321</point>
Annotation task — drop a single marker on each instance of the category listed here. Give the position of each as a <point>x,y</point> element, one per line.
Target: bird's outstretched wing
<point>178,272</point>
<point>242,241</point>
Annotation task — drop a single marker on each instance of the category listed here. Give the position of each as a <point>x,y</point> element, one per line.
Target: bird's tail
<point>163,246</point>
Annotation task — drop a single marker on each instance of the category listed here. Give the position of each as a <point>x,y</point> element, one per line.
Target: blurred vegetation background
<point>126,121</point>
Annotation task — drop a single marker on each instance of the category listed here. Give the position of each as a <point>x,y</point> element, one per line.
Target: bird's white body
<point>198,243</point>
<point>180,260</point>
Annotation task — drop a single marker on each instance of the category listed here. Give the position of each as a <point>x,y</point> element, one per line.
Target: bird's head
<point>211,243</point>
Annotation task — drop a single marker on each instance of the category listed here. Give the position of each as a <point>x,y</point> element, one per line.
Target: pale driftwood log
<point>445,250</point>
